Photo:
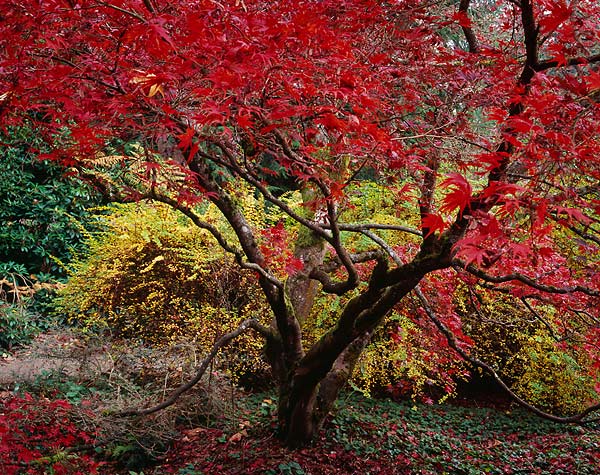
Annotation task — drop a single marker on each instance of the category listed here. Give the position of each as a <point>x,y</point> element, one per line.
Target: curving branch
<point>234,166</point>
<point>500,279</point>
<point>453,343</point>
<point>333,237</point>
<point>333,264</point>
<point>360,227</point>
<point>384,245</point>
<point>223,341</point>
<point>542,320</point>
<point>336,241</point>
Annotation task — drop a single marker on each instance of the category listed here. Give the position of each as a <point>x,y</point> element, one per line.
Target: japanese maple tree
<point>483,115</point>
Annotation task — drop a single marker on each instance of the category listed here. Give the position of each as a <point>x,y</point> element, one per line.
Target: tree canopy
<point>480,116</point>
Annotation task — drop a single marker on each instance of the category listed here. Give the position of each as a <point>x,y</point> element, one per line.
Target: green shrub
<point>20,319</point>
<point>40,207</point>
<point>24,304</point>
<point>17,325</point>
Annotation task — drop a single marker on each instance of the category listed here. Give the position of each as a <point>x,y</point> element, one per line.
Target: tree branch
<point>384,245</point>
<point>360,257</point>
<point>553,63</point>
<point>223,341</point>
<point>524,280</point>
<point>360,227</point>
<point>427,188</point>
<point>542,320</point>
<point>530,31</point>
<point>149,6</point>
<point>452,342</point>
<point>352,281</point>
<point>234,166</point>
<point>463,8</point>
<point>219,237</point>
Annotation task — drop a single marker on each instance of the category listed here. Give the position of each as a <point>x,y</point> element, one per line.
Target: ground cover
<point>385,437</point>
<point>59,424</point>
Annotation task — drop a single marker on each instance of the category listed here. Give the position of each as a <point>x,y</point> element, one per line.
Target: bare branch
<point>198,221</point>
<point>360,257</point>
<point>499,279</point>
<point>453,343</point>
<point>360,227</point>
<point>223,341</point>
<point>336,241</point>
<point>541,319</point>
<point>384,245</point>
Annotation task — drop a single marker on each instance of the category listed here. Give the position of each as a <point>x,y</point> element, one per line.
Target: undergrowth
<point>372,436</point>
<point>219,429</point>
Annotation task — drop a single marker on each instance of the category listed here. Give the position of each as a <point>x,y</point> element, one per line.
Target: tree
<point>483,117</point>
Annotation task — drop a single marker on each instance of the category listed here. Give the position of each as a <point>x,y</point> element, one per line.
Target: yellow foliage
<point>153,275</point>
<point>554,379</point>
<point>522,350</point>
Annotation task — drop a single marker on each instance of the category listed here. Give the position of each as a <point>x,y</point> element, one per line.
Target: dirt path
<point>53,352</point>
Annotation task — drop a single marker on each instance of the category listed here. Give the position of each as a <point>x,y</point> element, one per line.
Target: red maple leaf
<point>432,223</point>
<point>459,195</point>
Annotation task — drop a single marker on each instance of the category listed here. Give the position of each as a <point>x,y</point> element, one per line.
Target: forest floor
<point>77,384</point>
<point>52,352</point>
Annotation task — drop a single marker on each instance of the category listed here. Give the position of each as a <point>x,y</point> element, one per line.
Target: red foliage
<point>277,250</point>
<point>328,89</point>
<point>33,431</point>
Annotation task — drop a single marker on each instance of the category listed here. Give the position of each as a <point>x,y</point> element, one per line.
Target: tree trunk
<point>297,424</point>
<point>303,407</point>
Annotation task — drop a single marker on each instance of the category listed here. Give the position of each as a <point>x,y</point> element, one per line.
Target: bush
<point>154,276</point>
<point>36,437</point>
<point>555,377</point>
<point>40,207</point>
<point>411,358</point>
<point>23,306</point>
<point>543,370</point>
<point>17,325</point>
